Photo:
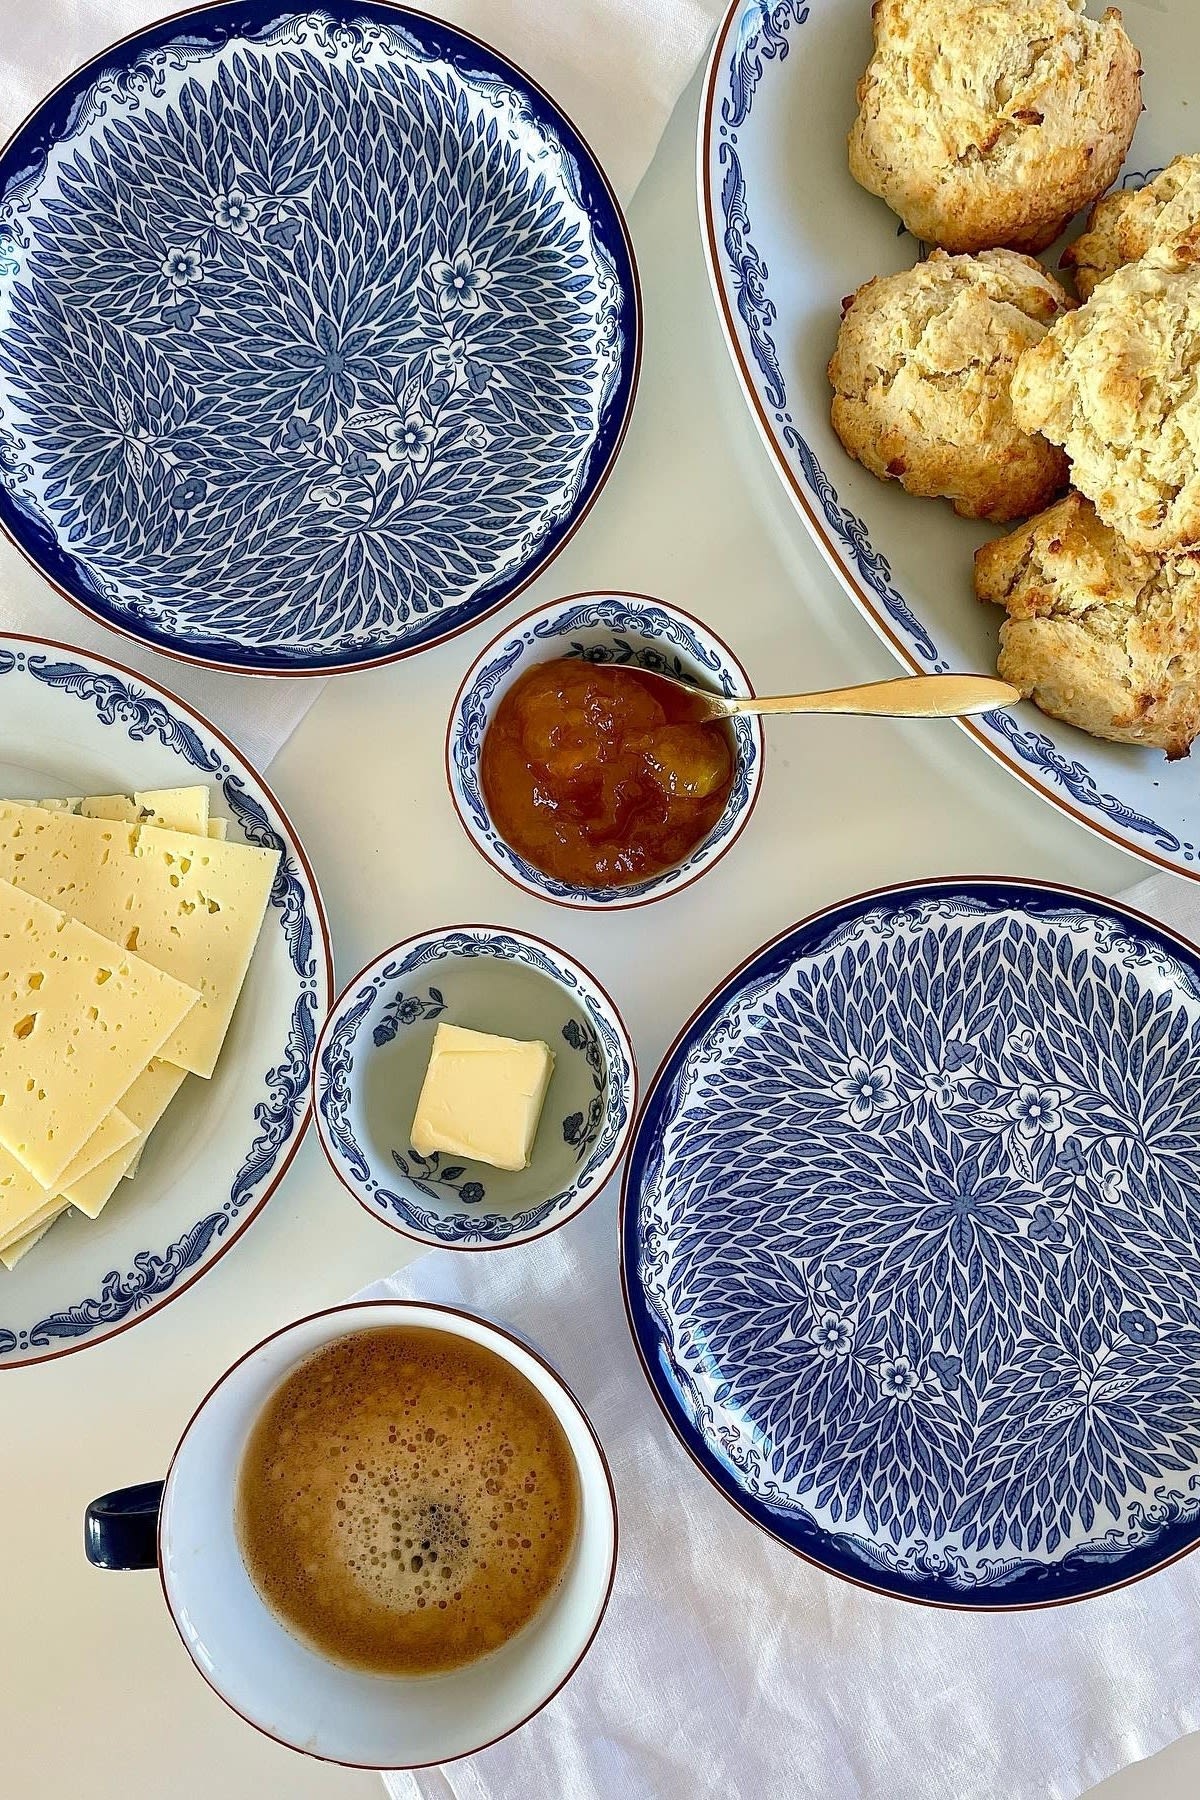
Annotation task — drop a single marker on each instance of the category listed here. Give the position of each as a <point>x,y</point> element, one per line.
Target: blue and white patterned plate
<point>319,333</point>
<point>374,1051</point>
<point>911,1242</point>
<point>788,233</point>
<point>72,723</point>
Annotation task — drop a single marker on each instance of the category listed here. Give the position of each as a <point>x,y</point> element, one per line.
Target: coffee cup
<point>186,1527</point>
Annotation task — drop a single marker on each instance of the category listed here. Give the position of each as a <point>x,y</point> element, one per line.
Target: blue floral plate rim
<point>807,936</point>
<point>622,1105</point>
<point>128,700</point>
<point>23,152</point>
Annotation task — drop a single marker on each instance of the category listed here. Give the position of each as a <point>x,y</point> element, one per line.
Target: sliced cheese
<point>37,1221</point>
<point>11,1254</point>
<point>112,1134</point>
<point>22,1198</point>
<point>192,909</point>
<point>219,829</point>
<point>146,1102</point>
<point>80,1019</point>
<point>90,1194</point>
<point>178,809</point>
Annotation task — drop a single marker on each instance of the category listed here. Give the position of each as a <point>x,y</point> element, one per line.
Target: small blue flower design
<point>957,1054</point>
<point>298,431</point>
<point>410,439</point>
<point>1138,1328</point>
<point>459,282</point>
<point>1045,1228</point>
<point>182,266</point>
<point>451,358</point>
<point>188,493</point>
<point>1071,1158</point>
<point>898,1379</point>
<point>833,1336</point>
<point>1035,1110</point>
<point>234,212</point>
<point>472,1192</point>
<point>867,1090</point>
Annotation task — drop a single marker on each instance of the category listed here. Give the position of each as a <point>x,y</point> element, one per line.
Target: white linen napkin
<point>617,68</point>
<point>726,1667</point>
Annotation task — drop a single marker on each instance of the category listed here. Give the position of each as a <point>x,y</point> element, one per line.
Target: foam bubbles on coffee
<point>407,1501</point>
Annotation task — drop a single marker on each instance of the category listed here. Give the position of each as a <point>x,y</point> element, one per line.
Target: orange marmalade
<point>598,775</point>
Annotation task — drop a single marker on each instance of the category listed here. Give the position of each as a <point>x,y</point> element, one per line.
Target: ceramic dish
<point>624,629</point>
<point>911,1246</point>
<point>73,723</point>
<point>372,1058</point>
<point>783,249</point>
<point>319,333</point>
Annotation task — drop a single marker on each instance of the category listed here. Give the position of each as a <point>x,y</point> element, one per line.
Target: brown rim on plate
<point>607,906</point>
<point>455,1312</point>
<point>612,1161</point>
<point>800,497</point>
<point>148,1312</point>
<point>544,562</point>
<point>878,893</point>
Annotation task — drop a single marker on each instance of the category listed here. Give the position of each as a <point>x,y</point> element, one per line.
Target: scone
<point>988,122</point>
<point>1163,216</point>
<point>1099,634</point>
<point>921,378</point>
<point>1115,384</point>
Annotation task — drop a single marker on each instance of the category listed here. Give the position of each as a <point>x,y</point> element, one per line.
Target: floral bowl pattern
<point>372,1057</point>
<point>319,333</point>
<point>911,1242</point>
<point>629,629</point>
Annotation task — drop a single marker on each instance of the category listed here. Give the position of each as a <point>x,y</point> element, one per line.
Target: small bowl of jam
<point>580,777</point>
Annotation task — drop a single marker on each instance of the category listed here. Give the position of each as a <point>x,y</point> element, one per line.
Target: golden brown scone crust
<point>1163,216</point>
<point>1099,634</point>
<point>1117,384</point>
<point>921,378</point>
<point>986,122</point>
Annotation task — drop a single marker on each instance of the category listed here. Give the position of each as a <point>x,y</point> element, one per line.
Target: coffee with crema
<point>407,1501</point>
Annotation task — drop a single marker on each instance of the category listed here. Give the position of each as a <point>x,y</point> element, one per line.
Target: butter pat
<point>482,1097</point>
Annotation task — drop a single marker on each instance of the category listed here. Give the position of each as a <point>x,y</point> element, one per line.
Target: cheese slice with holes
<point>192,908</point>
<point>219,829</point>
<point>11,1254</point>
<point>178,809</point>
<point>80,1018</point>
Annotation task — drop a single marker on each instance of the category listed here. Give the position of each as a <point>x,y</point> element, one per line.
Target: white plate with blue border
<point>788,233</point>
<point>911,1242</point>
<point>72,723</point>
<point>319,334</point>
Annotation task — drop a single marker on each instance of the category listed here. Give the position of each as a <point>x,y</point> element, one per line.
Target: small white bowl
<point>371,1059</point>
<point>629,629</point>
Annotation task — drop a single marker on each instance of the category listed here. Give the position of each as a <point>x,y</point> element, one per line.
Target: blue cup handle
<point>120,1530</point>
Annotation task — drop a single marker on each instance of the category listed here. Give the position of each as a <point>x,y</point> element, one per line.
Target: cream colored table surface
<point>97,1696</point>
